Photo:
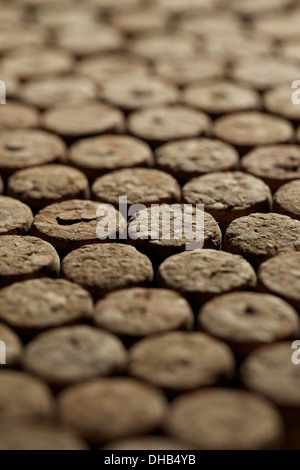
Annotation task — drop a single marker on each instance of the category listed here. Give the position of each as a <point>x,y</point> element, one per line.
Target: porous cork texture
<point>173,327</point>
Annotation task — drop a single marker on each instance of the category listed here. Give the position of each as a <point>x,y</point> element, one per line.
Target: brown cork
<point>209,420</point>
<point>16,437</point>
<point>33,62</point>
<point>97,156</point>
<point>85,39</point>
<point>247,320</point>
<point>104,268</point>
<point>270,372</point>
<point>253,8</point>
<point>224,47</point>
<point>106,67</point>
<point>251,129</point>
<point>228,196</point>
<point>40,304</point>
<point>280,276</point>
<point>185,70</point>
<point>24,258</point>
<point>279,26</point>
<point>65,356</point>
<point>46,92</point>
<point>130,93</point>
<point>153,45</point>
<point>15,36</point>
<point>13,346</point>
<point>77,120</point>
<point>139,185</point>
<point>275,165</point>
<point>136,22</point>
<point>164,123</point>
<point>201,275</point>
<point>189,158</point>
<point>221,97</point>
<point>25,399</point>
<point>278,100</point>
<point>287,200</point>
<point>259,237</point>
<point>104,409</point>
<point>165,231</point>
<point>15,116</point>
<point>47,184</point>
<point>71,224</point>
<point>16,217</point>
<point>265,72</point>
<point>140,312</point>
<point>181,361</point>
<point>20,149</point>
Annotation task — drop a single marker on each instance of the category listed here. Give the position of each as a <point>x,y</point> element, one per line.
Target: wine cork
<point>65,356</point>
<point>270,372</point>
<point>97,156</point>
<point>136,22</point>
<point>32,306</point>
<point>24,258</point>
<point>287,199</point>
<point>104,268</point>
<point>206,24</point>
<point>31,62</point>
<point>265,72</point>
<point>16,217</point>
<point>176,7</point>
<point>138,312</point>
<point>25,399</point>
<point>290,49</point>
<point>258,237</point>
<point>75,121</point>
<point>189,158</point>
<point>14,35</point>
<point>56,15</point>
<point>248,320</point>
<point>164,123</point>
<point>228,196</point>
<point>108,67</point>
<point>44,93</point>
<point>139,185</point>
<point>13,437</point>
<point>186,70</point>
<point>279,26</point>
<point>209,419</point>
<point>46,184</point>
<point>13,346</point>
<point>165,231</point>
<point>275,165</point>
<point>86,39</point>
<point>201,275</point>
<point>220,97</point>
<point>251,129</point>
<point>251,47</point>
<point>71,224</point>
<point>280,276</point>
<point>131,93</point>
<point>20,149</point>
<point>152,46</point>
<point>181,361</point>
<point>94,409</point>
<point>15,116</point>
<point>253,8</point>
<point>278,100</point>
